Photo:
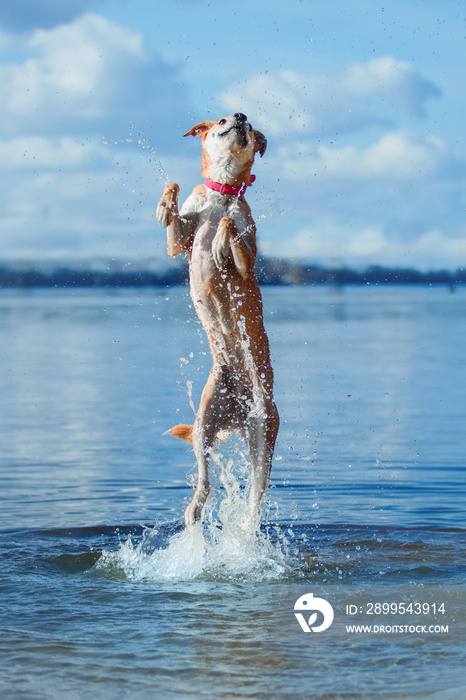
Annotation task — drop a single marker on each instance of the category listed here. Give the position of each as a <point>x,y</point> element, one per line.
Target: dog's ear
<point>261,142</point>
<point>199,130</point>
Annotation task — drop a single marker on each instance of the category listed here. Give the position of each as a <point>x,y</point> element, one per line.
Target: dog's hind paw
<point>193,514</point>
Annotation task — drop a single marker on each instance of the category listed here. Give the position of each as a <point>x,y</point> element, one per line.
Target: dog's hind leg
<point>211,418</point>
<point>261,433</point>
<point>193,512</point>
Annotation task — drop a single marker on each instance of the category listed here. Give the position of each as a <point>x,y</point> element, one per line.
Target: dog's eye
<point>222,121</point>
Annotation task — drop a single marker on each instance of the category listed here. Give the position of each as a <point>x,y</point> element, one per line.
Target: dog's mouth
<point>240,129</point>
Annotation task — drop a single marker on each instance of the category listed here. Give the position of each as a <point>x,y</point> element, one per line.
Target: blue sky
<point>362,103</point>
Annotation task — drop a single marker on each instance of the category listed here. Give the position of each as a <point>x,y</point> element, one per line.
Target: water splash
<point>226,546</point>
<point>142,142</point>
<point>189,386</point>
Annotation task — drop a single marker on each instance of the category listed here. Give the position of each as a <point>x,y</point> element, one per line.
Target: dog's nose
<point>240,117</point>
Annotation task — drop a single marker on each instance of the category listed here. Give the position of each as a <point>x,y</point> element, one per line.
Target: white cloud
<point>74,213</point>
<point>397,155</point>
<point>363,94</point>
<point>64,193</point>
<point>392,81</point>
<point>33,153</point>
<point>74,199</point>
<point>329,242</point>
<point>7,42</point>
<point>88,76</point>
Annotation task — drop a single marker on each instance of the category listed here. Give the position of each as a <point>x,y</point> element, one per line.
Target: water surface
<point>103,591</point>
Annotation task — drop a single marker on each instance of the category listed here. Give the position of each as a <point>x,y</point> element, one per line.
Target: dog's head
<point>228,148</point>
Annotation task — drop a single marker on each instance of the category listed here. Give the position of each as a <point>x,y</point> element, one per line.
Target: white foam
<point>227,545</point>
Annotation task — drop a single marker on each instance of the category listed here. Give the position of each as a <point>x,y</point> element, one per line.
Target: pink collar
<point>227,189</point>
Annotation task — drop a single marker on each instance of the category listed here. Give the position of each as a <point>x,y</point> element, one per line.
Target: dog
<point>216,230</point>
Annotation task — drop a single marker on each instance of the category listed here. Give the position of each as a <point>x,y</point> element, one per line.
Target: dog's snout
<point>240,117</point>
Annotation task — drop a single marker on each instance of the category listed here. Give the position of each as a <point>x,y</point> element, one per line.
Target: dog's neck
<point>233,169</point>
<point>227,174</point>
<point>235,190</point>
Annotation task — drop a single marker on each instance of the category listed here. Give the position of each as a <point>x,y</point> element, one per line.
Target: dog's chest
<point>212,213</point>
<point>202,267</point>
<point>209,220</point>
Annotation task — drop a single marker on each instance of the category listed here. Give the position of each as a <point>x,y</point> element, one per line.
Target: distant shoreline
<point>269,272</point>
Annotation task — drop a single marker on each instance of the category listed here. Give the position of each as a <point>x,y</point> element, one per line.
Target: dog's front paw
<point>168,204</point>
<point>221,249</point>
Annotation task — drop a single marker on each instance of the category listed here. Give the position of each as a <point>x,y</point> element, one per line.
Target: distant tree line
<point>68,277</point>
<point>269,271</point>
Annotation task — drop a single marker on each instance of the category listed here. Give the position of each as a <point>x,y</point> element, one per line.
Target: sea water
<point>103,591</point>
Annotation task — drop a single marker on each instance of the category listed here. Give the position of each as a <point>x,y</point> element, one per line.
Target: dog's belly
<point>230,310</point>
<point>218,299</point>
<point>218,315</point>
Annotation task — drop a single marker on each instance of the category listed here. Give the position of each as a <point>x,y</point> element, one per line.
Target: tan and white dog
<point>216,229</point>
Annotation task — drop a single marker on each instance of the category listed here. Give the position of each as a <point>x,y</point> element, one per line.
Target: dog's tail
<point>185,432</point>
